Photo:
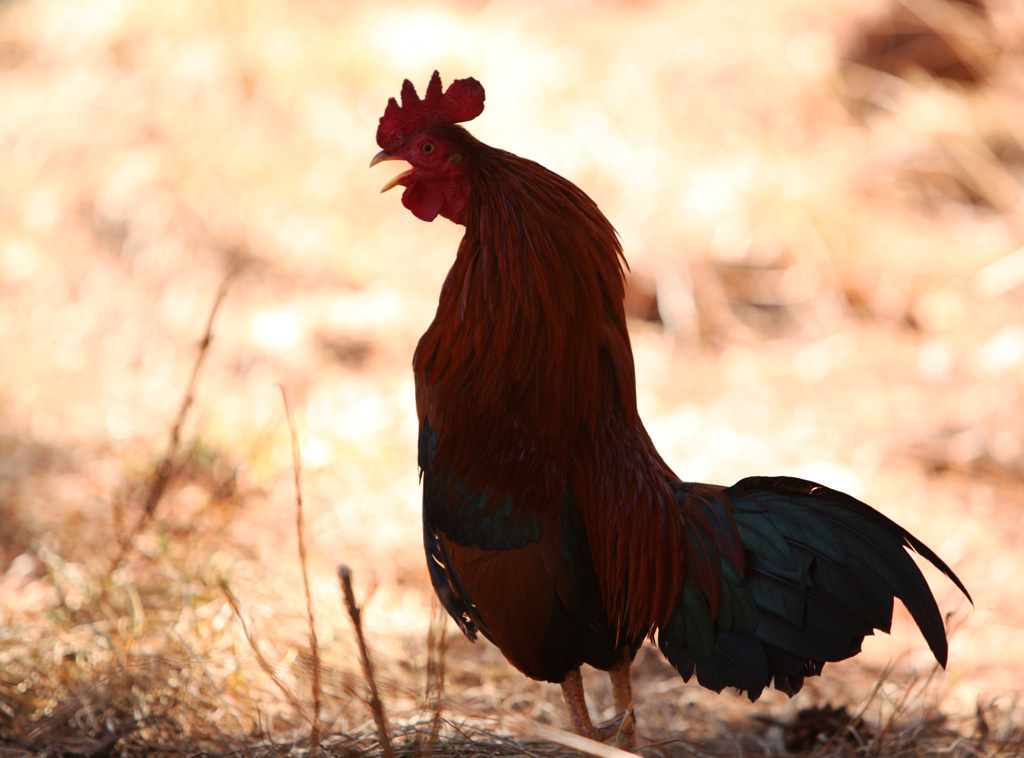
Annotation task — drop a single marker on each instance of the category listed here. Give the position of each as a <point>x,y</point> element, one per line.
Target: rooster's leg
<point>622,697</point>
<point>621,726</point>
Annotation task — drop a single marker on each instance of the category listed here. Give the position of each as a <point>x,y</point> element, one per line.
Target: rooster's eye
<point>427,147</point>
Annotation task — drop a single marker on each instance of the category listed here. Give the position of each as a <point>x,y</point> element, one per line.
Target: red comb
<point>463,101</point>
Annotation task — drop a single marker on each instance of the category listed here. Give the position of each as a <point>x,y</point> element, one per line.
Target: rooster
<point>551,524</point>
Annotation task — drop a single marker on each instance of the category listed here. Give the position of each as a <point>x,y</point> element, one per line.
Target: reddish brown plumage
<point>551,523</point>
<point>523,576</point>
<point>529,351</point>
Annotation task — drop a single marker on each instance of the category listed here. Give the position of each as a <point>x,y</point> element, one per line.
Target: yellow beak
<point>384,156</point>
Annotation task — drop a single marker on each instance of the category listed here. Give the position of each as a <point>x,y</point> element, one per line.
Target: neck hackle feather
<point>529,365</point>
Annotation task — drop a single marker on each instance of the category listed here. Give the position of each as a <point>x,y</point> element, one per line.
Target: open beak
<point>384,156</point>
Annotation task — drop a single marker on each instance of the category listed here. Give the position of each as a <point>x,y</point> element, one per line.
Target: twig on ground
<point>376,706</point>
<point>314,645</point>
<point>578,742</point>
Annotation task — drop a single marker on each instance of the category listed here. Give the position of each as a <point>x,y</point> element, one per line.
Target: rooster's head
<point>423,132</point>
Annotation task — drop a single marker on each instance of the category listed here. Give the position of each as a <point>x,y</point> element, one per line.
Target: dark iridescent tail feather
<point>821,572</point>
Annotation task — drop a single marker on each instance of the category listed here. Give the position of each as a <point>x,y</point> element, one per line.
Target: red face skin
<point>438,182</point>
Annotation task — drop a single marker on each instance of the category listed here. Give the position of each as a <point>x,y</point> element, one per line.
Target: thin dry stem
<point>314,645</point>
<point>260,658</point>
<point>437,649</point>
<point>164,471</point>
<point>375,703</point>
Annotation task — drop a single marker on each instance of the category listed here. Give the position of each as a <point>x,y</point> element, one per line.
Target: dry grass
<point>823,206</point>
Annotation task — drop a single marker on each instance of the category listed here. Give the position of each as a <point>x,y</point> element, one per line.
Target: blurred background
<point>821,204</point>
